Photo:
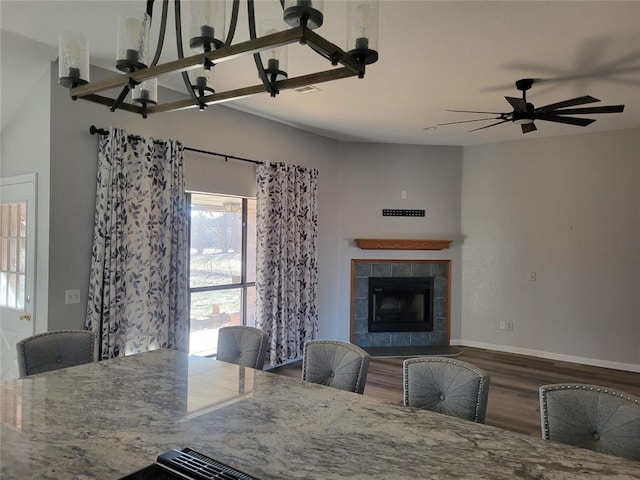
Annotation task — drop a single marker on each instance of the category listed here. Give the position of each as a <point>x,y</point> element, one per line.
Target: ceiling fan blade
<point>567,103</point>
<point>487,126</point>
<point>518,104</point>
<point>467,121</point>
<point>528,127</point>
<point>582,122</point>
<point>588,110</point>
<point>472,111</point>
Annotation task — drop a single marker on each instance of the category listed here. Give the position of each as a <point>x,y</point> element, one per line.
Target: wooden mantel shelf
<point>396,244</point>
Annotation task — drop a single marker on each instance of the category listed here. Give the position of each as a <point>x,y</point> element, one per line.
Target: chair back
<point>54,350</point>
<point>589,416</point>
<point>243,345</point>
<point>337,364</point>
<point>446,386</point>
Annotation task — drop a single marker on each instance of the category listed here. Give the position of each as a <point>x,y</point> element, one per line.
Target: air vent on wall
<point>398,212</point>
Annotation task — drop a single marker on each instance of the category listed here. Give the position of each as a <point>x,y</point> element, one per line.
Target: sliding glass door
<point>222,265</point>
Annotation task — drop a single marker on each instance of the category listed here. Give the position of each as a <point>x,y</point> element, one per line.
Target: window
<point>222,267</point>
<point>13,241</point>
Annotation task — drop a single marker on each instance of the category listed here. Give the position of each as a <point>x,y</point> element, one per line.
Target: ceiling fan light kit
<point>212,44</point>
<point>525,114</point>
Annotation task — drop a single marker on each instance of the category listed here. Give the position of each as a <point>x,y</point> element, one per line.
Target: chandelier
<point>138,82</point>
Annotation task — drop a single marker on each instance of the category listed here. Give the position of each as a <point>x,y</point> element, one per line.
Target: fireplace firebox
<point>401,304</point>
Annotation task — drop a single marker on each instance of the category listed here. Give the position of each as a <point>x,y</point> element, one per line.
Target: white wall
<point>373,177</point>
<point>220,129</point>
<point>25,149</point>
<point>567,209</point>
<point>24,62</point>
<point>348,175</point>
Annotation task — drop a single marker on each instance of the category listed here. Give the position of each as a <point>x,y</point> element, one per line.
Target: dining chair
<point>336,364</point>
<point>590,416</point>
<point>243,345</point>
<point>446,386</point>
<point>53,350</point>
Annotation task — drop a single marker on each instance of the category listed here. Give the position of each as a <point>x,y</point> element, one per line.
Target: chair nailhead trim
<point>545,389</point>
<point>591,388</point>
<point>465,365</point>
<point>354,348</point>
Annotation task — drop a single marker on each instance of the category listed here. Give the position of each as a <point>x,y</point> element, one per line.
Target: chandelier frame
<point>350,65</point>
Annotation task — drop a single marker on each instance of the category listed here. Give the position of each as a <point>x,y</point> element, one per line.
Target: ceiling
<point>434,56</point>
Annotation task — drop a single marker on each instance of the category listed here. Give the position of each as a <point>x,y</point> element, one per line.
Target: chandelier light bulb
<point>146,94</point>
<point>363,21</point>
<point>362,30</point>
<point>276,57</point>
<point>303,12</point>
<point>133,41</point>
<point>73,59</point>
<point>271,53</point>
<point>207,25</point>
<point>202,81</point>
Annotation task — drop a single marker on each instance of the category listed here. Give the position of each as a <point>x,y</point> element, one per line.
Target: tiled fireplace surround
<point>361,270</point>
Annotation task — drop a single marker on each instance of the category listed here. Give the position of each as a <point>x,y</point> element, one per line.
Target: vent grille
<point>200,467</point>
<point>307,89</point>
<point>396,212</point>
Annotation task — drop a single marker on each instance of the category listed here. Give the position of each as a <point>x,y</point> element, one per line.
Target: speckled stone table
<point>108,419</point>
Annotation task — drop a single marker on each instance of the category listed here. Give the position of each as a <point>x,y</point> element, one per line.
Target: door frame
<point>28,181</point>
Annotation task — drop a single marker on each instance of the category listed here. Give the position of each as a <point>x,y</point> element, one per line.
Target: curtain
<point>287,264</point>
<point>137,299</point>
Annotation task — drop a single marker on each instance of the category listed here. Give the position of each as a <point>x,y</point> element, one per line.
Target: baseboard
<point>627,367</point>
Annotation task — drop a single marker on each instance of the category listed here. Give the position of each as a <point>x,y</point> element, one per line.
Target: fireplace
<point>410,332</point>
<point>400,304</point>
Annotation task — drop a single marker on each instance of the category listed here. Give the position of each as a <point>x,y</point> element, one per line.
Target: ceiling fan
<point>524,113</point>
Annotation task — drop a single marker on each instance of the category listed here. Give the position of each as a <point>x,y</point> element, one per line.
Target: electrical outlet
<point>532,277</point>
<point>503,325</point>
<point>71,297</point>
<point>509,325</point>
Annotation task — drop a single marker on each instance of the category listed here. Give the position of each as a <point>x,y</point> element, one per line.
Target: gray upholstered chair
<point>593,417</point>
<point>54,350</point>
<point>243,345</point>
<point>447,386</point>
<point>337,364</point>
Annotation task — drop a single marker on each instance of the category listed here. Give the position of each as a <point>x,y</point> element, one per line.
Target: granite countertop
<point>108,419</point>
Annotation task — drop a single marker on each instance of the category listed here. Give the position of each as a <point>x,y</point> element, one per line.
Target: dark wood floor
<point>515,379</point>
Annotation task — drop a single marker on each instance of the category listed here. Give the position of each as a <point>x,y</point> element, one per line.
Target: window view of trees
<point>221,267</point>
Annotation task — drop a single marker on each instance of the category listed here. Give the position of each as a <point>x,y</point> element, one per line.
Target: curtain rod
<point>93,130</point>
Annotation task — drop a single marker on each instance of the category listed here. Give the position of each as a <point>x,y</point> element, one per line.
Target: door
<point>17,267</point>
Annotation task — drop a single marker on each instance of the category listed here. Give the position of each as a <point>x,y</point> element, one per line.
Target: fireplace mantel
<point>398,244</point>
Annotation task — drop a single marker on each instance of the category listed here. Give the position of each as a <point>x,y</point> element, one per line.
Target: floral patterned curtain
<point>287,263</point>
<point>137,298</point>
